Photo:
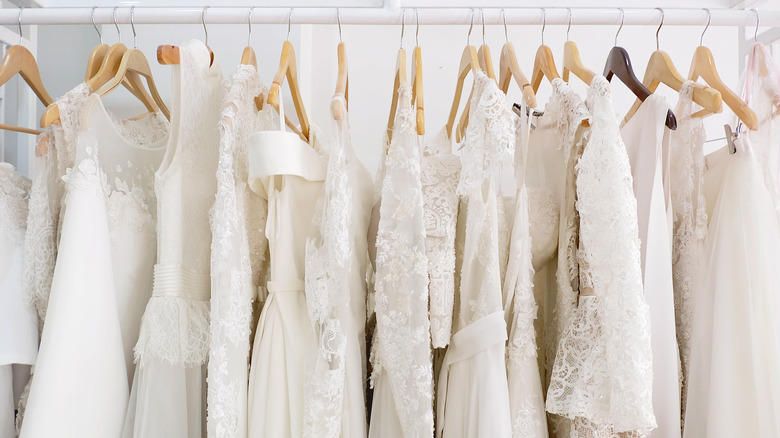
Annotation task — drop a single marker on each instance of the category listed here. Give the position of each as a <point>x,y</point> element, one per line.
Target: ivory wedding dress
<point>238,252</point>
<point>336,262</point>
<point>289,173</point>
<point>100,284</point>
<point>472,397</point>
<point>603,373</point>
<point>402,376</point>
<point>169,393</point>
<point>647,143</point>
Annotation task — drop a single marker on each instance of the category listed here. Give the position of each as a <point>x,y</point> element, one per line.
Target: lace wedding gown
<point>690,220</point>
<point>472,393</point>
<point>238,249</point>
<point>336,262</point>
<point>18,320</point>
<point>647,144</point>
<point>289,174</point>
<point>602,377</point>
<point>733,388</point>
<point>169,392</point>
<point>100,283</point>
<point>402,376</point>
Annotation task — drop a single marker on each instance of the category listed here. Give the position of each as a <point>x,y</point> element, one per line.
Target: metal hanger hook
<point>622,20</point>
<point>471,26</point>
<point>20,26</point>
<point>482,12</point>
<point>544,22</point>
<point>338,20</point>
<point>755,33</point>
<point>119,32</point>
<point>203,20</point>
<point>132,25</point>
<point>403,26</point>
<point>709,20</point>
<point>249,23</point>
<point>569,27</point>
<point>289,23</point>
<point>657,43</point>
<point>417,31</point>
<point>503,17</point>
<point>92,17</point>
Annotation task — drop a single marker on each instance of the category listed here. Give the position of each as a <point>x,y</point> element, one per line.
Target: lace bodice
<point>401,346</point>
<point>609,250</point>
<point>439,174</point>
<point>14,191</point>
<point>185,185</point>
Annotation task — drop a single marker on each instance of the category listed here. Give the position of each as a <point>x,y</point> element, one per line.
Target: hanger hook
<point>471,26</point>
<point>482,12</point>
<point>119,32</point>
<point>622,19</point>
<point>657,44</point>
<point>132,25</point>
<point>569,27</point>
<point>289,23</point>
<point>92,17</point>
<point>709,19</point>
<point>338,20</point>
<point>755,33</point>
<point>503,17</point>
<point>203,20</point>
<point>249,23</point>
<point>403,26</point>
<point>544,22</point>
<point>417,31</point>
<point>20,25</point>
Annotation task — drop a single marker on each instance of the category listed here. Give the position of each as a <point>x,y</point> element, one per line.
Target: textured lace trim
<point>402,341</point>
<point>174,331</point>
<point>14,194</point>
<point>609,246</point>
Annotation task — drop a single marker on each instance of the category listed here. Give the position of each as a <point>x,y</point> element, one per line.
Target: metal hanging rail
<point>385,16</point>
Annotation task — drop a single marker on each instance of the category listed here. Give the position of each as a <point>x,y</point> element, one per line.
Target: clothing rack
<point>427,15</point>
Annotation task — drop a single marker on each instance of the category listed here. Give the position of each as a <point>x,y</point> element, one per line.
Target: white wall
<point>372,52</point>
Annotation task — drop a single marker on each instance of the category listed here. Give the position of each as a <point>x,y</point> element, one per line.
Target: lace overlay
<point>238,249</point>
<point>14,193</point>
<point>690,219</point>
<point>402,338</point>
<point>440,173</point>
<point>603,369</point>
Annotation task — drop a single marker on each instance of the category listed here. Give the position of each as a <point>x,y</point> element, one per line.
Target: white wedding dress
<point>100,283</point>
<point>647,143</point>
<point>169,393</point>
<point>472,396</point>
<point>18,319</point>
<point>336,262</point>
<point>289,173</point>
<point>603,373</point>
<point>238,253</point>
<point>402,377</point>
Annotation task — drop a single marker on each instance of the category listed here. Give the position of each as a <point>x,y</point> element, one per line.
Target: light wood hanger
<point>544,62</point>
<point>509,68</point>
<point>19,60</point>
<point>98,53</point>
<point>398,80</point>
<point>703,65</point>
<point>572,61</point>
<point>171,55</point>
<point>248,57</point>
<point>417,89</point>
<point>469,62</point>
<point>287,68</point>
<point>342,79</point>
<point>661,70</point>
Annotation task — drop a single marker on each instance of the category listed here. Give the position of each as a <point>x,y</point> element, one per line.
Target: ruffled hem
<point>175,331</point>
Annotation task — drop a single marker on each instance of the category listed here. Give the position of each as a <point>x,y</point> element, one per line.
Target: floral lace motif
<point>402,340</point>
<point>690,220</point>
<point>440,173</point>
<point>237,255</point>
<point>603,369</point>
<point>14,193</point>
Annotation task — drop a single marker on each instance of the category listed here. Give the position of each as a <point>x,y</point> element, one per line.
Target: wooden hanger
<point>572,61</point>
<point>509,69</point>
<point>544,62</point>
<point>469,61</point>
<point>171,55</point>
<point>486,64</point>
<point>417,89</point>
<point>98,53</point>
<point>619,64</point>
<point>287,68</point>
<point>398,80</point>
<point>342,83</point>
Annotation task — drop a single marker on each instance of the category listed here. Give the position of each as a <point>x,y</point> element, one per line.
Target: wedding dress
<point>690,220</point>
<point>472,395</point>
<point>526,400</point>
<point>402,376</point>
<point>169,392</point>
<point>289,173</point>
<point>336,262</point>
<point>100,283</point>
<point>238,250</point>
<point>647,143</point>
<point>602,377</point>
<point>733,389</point>
<point>18,320</point>
<point>440,170</point>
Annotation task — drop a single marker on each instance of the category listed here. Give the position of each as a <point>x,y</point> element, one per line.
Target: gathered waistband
<point>179,282</point>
